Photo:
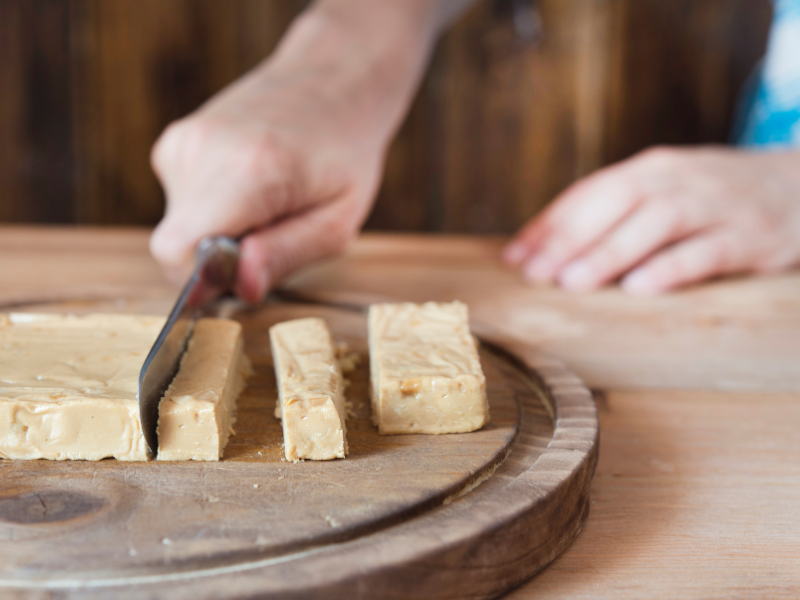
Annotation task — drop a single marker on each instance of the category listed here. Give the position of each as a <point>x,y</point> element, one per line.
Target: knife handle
<point>217,258</point>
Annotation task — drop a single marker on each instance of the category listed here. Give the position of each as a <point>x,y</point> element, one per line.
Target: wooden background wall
<point>502,123</point>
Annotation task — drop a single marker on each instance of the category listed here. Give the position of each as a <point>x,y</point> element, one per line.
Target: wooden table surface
<point>697,492</point>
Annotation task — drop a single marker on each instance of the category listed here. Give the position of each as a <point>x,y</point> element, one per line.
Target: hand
<point>290,156</point>
<point>666,218</point>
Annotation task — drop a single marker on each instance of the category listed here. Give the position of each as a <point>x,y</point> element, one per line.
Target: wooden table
<point>697,493</point>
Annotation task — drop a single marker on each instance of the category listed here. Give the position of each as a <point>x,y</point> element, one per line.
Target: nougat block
<point>68,385</point>
<point>198,410</point>
<point>425,373</point>
<point>310,390</point>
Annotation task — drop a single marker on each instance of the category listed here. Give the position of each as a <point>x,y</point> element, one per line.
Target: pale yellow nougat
<point>68,385</point>
<point>310,390</point>
<point>197,412</point>
<point>425,373</point>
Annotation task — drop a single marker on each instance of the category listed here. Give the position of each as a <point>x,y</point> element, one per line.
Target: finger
<point>590,208</point>
<point>715,252</point>
<point>215,212</point>
<point>581,216</point>
<point>528,239</point>
<point>219,183</point>
<point>270,254</point>
<point>653,225</point>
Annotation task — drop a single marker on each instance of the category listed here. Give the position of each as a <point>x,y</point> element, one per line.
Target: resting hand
<point>666,218</point>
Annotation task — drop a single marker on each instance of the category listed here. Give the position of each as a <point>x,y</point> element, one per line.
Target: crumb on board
<point>348,359</point>
<point>332,522</point>
<point>350,413</point>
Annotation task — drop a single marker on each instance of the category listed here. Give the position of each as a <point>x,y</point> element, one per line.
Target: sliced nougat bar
<point>310,390</point>
<point>197,412</point>
<point>425,373</point>
<point>68,385</point>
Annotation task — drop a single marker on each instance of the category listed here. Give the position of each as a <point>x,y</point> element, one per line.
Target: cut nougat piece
<point>425,373</point>
<point>198,410</point>
<point>68,385</point>
<point>310,390</point>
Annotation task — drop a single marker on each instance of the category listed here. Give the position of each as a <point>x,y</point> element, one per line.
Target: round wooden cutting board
<point>451,516</point>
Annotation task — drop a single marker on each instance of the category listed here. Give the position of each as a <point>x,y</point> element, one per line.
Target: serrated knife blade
<point>214,275</point>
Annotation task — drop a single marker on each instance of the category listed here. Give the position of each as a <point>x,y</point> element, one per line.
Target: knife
<point>214,275</point>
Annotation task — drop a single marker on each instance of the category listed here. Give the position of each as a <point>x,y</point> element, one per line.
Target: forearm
<point>372,53</point>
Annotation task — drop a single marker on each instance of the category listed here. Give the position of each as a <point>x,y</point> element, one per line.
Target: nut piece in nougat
<point>198,410</point>
<point>69,384</point>
<point>425,373</point>
<point>310,390</point>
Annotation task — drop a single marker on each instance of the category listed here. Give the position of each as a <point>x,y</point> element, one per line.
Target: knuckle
<point>719,256</point>
<point>711,257</point>
<point>612,258</point>
<point>262,163</point>
<point>606,260</point>
<point>661,157</point>
<point>669,269</point>
<point>261,157</point>
<point>668,215</point>
<point>564,246</point>
<point>764,223</point>
<point>179,142</point>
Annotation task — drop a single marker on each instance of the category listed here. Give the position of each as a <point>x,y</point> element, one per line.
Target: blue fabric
<point>771,102</point>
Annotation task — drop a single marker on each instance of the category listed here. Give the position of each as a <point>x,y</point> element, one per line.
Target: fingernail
<point>578,276</point>
<point>538,269</point>
<point>514,254</point>
<point>639,282</point>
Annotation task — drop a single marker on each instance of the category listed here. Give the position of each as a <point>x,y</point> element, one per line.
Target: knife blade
<point>214,275</point>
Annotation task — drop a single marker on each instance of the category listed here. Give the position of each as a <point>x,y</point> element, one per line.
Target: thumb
<point>270,254</point>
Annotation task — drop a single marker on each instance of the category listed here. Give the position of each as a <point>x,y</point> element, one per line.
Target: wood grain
<point>737,334</point>
<point>445,516</point>
<point>695,496</point>
<point>36,154</point>
<point>501,124</point>
<point>77,263</point>
<point>174,56</point>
